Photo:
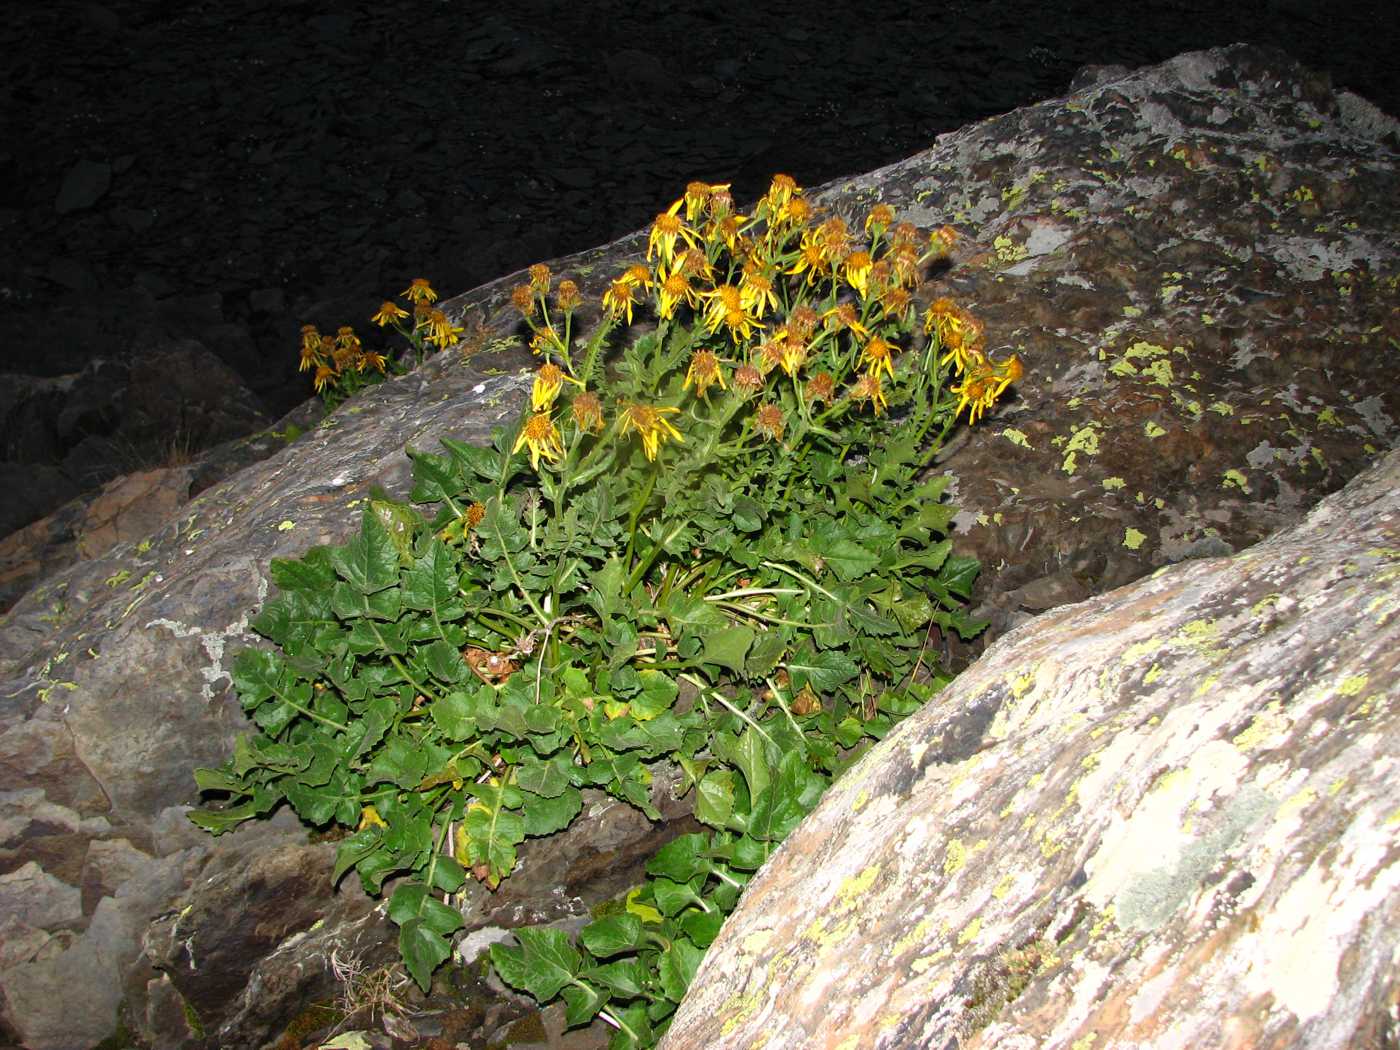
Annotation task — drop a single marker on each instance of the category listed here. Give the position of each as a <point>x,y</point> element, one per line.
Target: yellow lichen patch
<point>970,931</point>
<point>1295,804</point>
<point>757,941</point>
<point>1266,725</point>
<point>858,803</point>
<point>1152,430</point>
<point>1207,684</point>
<point>1132,538</point>
<point>1234,479</point>
<point>1110,484</point>
<point>1138,650</point>
<point>918,935</point>
<point>855,886</point>
<point>1003,887</point>
<point>1153,673</point>
<point>1353,686</point>
<point>1008,251</point>
<point>929,961</point>
<point>1201,635</point>
<point>1016,437</point>
<point>1085,439</point>
<point>954,857</point>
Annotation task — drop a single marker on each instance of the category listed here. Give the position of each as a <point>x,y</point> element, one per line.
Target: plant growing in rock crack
<point>716,549</point>
<point>341,366</point>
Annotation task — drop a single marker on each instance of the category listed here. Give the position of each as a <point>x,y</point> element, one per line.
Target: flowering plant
<point>340,365</point>
<point>717,551</point>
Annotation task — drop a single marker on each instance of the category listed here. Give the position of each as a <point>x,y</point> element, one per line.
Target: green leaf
<point>547,778</point>
<point>672,897</point>
<point>582,1002</point>
<point>217,821</point>
<point>614,934</point>
<point>311,573</point>
<point>714,798</point>
<point>493,832</point>
<point>448,875</point>
<point>678,966</point>
<point>658,693</point>
<point>444,662</point>
<point>369,562</point>
<point>680,859</point>
<point>750,754</point>
<point>401,761</point>
<point>959,573</point>
<point>824,670</point>
<point>349,852</point>
<point>485,463</point>
<point>702,927</point>
<point>767,650</point>
<point>545,816</point>
<point>431,583</point>
<point>455,715</point>
<point>605,588</point>
<point>727,647</point>
<point>747,515</point>
<point>423,950</point>
<point>685,613</point>
<point>626,978</point>
<point>543,964</point>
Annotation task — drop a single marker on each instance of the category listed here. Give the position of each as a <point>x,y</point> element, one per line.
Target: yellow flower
<point>548,382</point>
<point>310,348</point>
<point>984,383</point>
<point>588,412</point>
<point>637,275</point>
<point>420,291</point>
<point>878,357</point>
<point>522,297</point>
<point>879,219</point>
<point>672,291</point>
<point>651,426</point>
<point>540,433</point>
<point>698,195</point>
<point>726,307</point>
<point>388,314</point>
<point>768,420</point>
<point>780,191</point>
<point>666,229</point>
<point>568,296</point>
<point>370,818</point>
<point>373,360</point>
<point>442,333</point>
<point>820,387</point>
<point>843,315</point>
<point>867,388</point>
<point>756,293</point>
<point>856,268</point>
<point>324,374</point>
<point>619,299</point>
<point>942,241</point>
<point>748,380</point>
<point>704,371</point>
<point>539,278</point>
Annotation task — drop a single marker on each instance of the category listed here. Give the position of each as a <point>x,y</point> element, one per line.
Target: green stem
<point>705,687</point>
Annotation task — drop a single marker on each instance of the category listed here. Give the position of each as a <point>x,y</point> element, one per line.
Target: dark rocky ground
<point>226,171</point>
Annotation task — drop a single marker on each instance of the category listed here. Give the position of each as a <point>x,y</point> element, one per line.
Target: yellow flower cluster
<point>338,360</point>
<point>961,336</point>
<point>775,296</point>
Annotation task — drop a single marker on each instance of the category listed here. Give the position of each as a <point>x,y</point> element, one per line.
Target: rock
<point>1100,234</point>
<point>1166,815</point>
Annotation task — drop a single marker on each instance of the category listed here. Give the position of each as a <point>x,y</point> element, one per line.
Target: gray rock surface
<point>1166,816</point>
<point>1197,263</point>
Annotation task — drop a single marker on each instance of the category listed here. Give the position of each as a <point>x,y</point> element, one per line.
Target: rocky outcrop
<point>1167,816</point>
<point>1196,263</point>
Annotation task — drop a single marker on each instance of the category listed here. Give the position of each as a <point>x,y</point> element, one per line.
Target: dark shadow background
<point>226,171</point>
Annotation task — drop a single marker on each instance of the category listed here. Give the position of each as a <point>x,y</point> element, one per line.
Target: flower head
<point>548,382</point>
<point>748,380</point>
<point>542,436</point>
<point>588,412</point>
<point>388,313</point>
<point>984,382</point>
<point>879,219</point>
<point>651,425</point>
<point>619,299</point>
<point>820,387</point>
<point>769,421</point>
<point>666,229</point>
<point>568,296</point>
<point>540,278</point>
<point>522,297</point>
<point>441,332</point>
<point>310,347</point>
<point>704,372</point>
<point>672,291</point>
<point>420,291</point>
<point>856,268</point>
<point>879,357</point>
<point>867,388</point>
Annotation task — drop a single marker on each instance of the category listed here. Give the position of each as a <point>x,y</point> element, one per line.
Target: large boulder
<point>1195,262</point>
<point>1166,816</point>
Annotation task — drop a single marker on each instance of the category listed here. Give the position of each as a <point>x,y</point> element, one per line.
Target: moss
<point>999,982</point>
<point>314,1018</point>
